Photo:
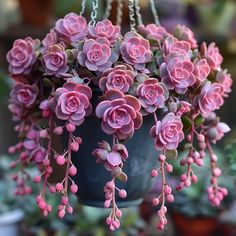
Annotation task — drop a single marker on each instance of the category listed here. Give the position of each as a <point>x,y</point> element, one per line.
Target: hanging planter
<point>107,96</point>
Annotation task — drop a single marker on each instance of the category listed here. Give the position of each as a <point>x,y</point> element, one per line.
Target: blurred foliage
<point>231,158</point>
<point>4,87</point>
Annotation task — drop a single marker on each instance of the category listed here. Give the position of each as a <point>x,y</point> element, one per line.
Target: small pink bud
<point>52,189</point>
<point>154,173</point>
<point>202,146</point>
<point>79,140</point>
<point>199,162</point>
<point>202,154</point>
<point>216,201</point>
<point>164,209</point>
<point>70,128</point>
<point>168,190</point>
<point>119,213</point>
<point>196,154</point>
<point>214,158</point>
<point>45,213</point>
<point>64,200</point>
<point>49,208</point>
<point>122,193</point>
<point>224,191</point>
<point>74,188</point>
<point>160,226</point>
<point>169,168</point>
<point>201,138</point>
<point>190,160</point>
<point>183,177</point>
<point>43,134</point>
<point>217,172</point>
<point>108,220</point>
<point>59,187</point>
<point>49,170</point>
<point>42,205</point>
<point>74,146</point>
<point>187,182</point>
<point>11,150</point>
<point>61,160</point>
<point>183,162</point>
<point>155,201</point>
<point>110,184</point>
<point>70,210</point>
<point>162,158</point>
<point>46,162</point>
<point>72,170</point>
<point>37,178</point>
<point>58,130</point>
<point>107,203</point>
<point>194,178</point>
<point>61,214</point>
<point>161,213</point>
<point>170,198</point>
<point>39,198</point>
<point>46,113</point>
<point>189,137</point>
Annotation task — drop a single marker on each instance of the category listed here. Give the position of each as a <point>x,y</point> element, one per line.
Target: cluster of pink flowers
<point>150,72</point>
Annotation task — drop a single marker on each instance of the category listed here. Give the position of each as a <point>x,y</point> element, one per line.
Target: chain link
<point>132,15</point>
<point>108,8</point>
<point>154,12</point>
<point>138,13</point>
<point>83,4</point>
<point>94,13</point>
<point>119,15</point>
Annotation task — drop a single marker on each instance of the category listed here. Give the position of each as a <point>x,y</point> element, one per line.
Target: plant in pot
<point>11,215</point>
<point>124,102</point>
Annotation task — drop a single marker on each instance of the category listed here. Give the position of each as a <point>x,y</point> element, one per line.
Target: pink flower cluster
<point>81,69</point>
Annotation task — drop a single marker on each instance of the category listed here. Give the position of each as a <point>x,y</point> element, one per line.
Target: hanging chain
<point>138,12</point>
<point>83,4</point>
<point>94,13</point>
<point>108,8</point>
<point>132,15</point>
<point>154,12</point>
<point>120,6</point>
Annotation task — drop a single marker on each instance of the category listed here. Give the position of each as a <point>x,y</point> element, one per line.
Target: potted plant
<point>89,84</point>
<point>11,215</point>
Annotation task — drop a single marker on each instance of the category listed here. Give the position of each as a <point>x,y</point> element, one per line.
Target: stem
<point>68,164</point>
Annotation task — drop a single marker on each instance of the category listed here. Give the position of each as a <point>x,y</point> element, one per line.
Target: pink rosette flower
<point>212,55</point>
<point>177,74</point>
<point>151,95</point>
<point>105,29</point>
<point>174,47</point>
<point>96,55</point>
<point>225,80</point>
<point>135,50</point>
<point>120,77</point>
<point>50,39</point>
<point>55,60</point>
<point>21,57</point>
<point>72,103</point>
<point>24,95</point>
<point>71,28</point>
<point>184,33</point>
<point>168,133</point>
<point>152,31</point>
<point>210,98</point>
<point>201,70</point>
<point>110,157</point>
<point>120,114</point>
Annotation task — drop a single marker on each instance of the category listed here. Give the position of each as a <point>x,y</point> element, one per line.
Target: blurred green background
<point>211,20</point>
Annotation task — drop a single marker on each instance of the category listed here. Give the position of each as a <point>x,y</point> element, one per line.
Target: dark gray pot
<point>92,177</point>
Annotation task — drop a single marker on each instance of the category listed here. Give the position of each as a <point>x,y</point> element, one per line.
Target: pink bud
<point>187,182</point>
<point>74,188</point>
<point>72,170</point>
<point>183,177</point>
<point>110,184</point>
<point>11,150</point>
<point>160,226</point>
<point>155,201</point>
<point>49,208</point>
<point>39,198</point>
<point>58,130</point>
<point>168,190</point>
<point>46,162</point>
<point>46,113</point>
<point>194,178</point>
<point>70,128</point>
<point>183,162</point>
<point>199,162</point>
<point>42,205</point>
<point>74,146</point>
<point>59,187</point>
<point>52,189</point>
<point>43,134</point>
<point>64,200</point>
<point>119,213</point>
<point>78,140</point>
<point>61,160</point>
<point>108,220</point>
<point>161,213</point>
<point>49,170</point>
<point>217,172</point>
<point>107,203</point>
<point>224,191</point>
<point>201,138</point>
<point>45,213</point>
<point>214,158</point>
<point>37,179</point>
<point>189,160</point>
<point>189,137</point>
<point>61,214</point>
<point>122,193</point>
<point>169,168</point>
<point>154,173</point>
<point>170,198</point>
<point>70,210</point>
<point>162,158</point>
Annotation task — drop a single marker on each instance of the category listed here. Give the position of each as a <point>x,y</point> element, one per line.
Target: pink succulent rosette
<point>24,95</point>
<point>96,55</point>
<point>105,29</point>
<point>225,80</point>
<point>151,95</point>
<point>121,77</point>
<point>177,74</point>
<point>50,39</point>
<point>152,31</point>
<point>210,98</point>
<point>135,50</point>
<point>201,70</point>
<point>71,28</point>
<point>72,103</point>
<point>21,57</point>
<point>55,60</point>
<point>120,114</point>
<point>184,33</point>
<point>212,55</point>
<point>168,133</point>
<point>110,157</point>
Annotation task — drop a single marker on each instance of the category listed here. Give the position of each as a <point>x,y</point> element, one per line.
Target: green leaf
<point>198,120</point>
<point>187,123</point>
